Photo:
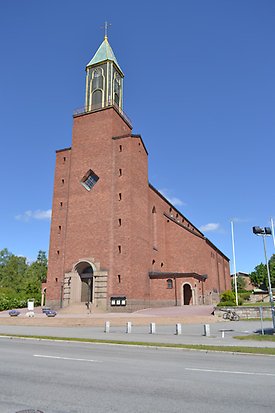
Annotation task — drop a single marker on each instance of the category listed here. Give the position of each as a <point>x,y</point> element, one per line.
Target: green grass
<point>256,304</point>
<point>260,337</point>
<point>201,347</point>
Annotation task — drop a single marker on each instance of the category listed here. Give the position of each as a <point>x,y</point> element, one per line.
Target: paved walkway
<point>93,325</point>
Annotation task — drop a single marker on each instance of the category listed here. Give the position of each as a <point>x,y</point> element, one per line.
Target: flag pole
<point>272,230</point>
<point>234,263</point>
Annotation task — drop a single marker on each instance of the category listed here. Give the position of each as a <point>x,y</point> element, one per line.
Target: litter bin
<point>31,304</point>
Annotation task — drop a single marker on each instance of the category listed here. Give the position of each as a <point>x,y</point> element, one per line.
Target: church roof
<point>103,53</point>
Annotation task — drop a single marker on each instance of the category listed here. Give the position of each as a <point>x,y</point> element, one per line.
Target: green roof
<point>103,53</point>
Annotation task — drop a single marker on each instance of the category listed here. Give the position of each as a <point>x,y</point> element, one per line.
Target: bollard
<point>178,329</point>
<point>128,327</point>
<point>107,327</point>
<point>222,331</point>
<point>152,328</point>
<point>206,330</point>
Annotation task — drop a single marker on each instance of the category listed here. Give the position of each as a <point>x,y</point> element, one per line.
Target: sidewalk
<point>192,333</point>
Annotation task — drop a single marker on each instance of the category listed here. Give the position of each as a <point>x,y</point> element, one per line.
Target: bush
<point>9,299</point>
<point>228,298</point>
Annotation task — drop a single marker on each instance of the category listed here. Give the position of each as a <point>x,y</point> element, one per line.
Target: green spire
<point>103,53</point>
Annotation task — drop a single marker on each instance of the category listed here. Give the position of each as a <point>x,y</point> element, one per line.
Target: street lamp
<point>266,231</point>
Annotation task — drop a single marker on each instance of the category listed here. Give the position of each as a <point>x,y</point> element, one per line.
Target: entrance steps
<point>79,308</point>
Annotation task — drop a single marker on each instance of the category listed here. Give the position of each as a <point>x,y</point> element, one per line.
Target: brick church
<point>116,243</point>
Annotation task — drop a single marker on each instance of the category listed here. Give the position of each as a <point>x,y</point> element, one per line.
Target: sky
<point>199,88</point>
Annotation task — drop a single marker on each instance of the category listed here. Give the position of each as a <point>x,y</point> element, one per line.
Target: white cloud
<point>210,227</point>
<point>173,200</point>
<point>38,214</point>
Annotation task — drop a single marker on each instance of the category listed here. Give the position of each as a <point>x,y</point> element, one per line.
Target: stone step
<point>79,308</point>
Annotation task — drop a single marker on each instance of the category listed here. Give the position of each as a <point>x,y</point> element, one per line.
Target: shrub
<point>228,298</point>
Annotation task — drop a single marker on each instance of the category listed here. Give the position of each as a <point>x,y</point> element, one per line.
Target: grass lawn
<point>201,347</point>
<point>256,304</point>
<point>257,337</point>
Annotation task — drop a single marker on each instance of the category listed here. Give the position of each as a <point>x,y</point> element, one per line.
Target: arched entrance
<point>187,294</point>
<point>85,272</point>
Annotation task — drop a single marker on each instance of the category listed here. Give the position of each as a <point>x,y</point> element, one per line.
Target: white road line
<point>247,373</point>
<point>65,358</point>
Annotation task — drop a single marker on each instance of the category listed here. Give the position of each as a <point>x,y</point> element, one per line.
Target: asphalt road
<point>57,377</point>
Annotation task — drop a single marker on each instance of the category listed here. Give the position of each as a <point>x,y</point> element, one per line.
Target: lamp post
<point>266,231</point>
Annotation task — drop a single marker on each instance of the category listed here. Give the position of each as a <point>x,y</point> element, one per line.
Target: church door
<point>187,294</point>
<point>87,285</point>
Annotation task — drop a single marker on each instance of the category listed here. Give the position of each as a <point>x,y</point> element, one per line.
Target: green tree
<point>241,285</point>
<point>259,277</point>
<point>20,280</point>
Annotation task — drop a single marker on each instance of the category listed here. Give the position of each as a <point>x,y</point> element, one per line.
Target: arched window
<point>97,79</point>
<point>117,88</point>
<point>169,283</point>
<point>97,87</point>
<point>97,98</point>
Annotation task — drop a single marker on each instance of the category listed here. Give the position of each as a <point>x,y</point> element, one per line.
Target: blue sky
<point>199,87</point>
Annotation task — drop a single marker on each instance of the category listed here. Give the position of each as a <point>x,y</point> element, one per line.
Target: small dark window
<point>153,262</point>
<point>61,204</point>
<point>119,196</point>
<point>119,249</point>
<point>120,172</point>
<point>89,180</point>
<point>120,148</point>
<point>64,159</point>
<point>62,180</point>
<point>161,264</point>
<point>57,252</point>
<point>59,229</point>
<point>119,222</point>
<point>56,280</point>
<point>119,278</point>
<point>169,283</point>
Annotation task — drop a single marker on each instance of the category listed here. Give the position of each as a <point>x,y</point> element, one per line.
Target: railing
<point>94,108</point>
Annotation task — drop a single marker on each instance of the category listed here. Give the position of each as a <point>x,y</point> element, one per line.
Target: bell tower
<point>104,80</point>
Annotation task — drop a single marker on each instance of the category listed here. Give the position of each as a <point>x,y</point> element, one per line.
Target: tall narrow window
<point>120,148</point>
<point>117,88</point>
<point>119,222</point>
<point>97,98</point>
<point>97,88</point>
<point>154,227</point>
<point>119,196</point>
<point>119,278</point>
<point>119,249</point>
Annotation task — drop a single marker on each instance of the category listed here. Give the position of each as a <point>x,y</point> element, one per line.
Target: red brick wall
<point>58,226</point>
<point>114,223</point>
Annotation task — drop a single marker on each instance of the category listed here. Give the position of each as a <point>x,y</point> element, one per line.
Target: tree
<point>259,276</point>
<point>20,280</point>
<point>241,285</point>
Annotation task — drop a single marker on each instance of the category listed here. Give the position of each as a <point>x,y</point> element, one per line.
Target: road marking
<point>247,373</point>
<point>65,358</point>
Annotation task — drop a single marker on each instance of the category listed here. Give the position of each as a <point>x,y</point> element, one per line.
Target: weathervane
<point>106,25</point>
